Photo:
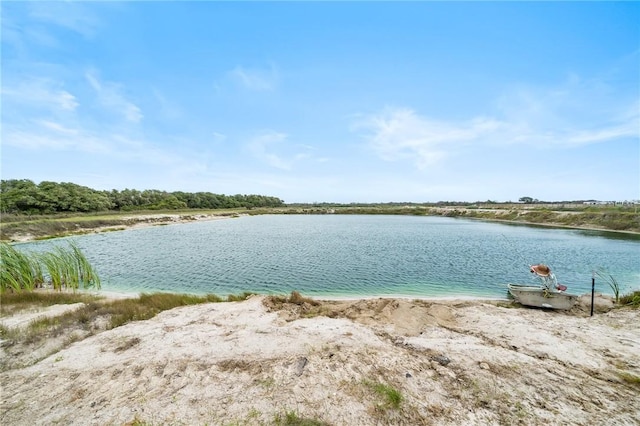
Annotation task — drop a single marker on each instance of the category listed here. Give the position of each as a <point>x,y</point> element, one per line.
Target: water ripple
<point>350,256</point>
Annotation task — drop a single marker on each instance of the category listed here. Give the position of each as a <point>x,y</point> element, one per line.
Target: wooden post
<point>593,289</point>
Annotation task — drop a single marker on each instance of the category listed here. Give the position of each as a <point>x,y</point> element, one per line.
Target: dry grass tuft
<point>128,344</point>
<point>632,379</point>
<point>297,299</point>
<point>297,306</point>
<point>241,365</point>
<point>95,316</point>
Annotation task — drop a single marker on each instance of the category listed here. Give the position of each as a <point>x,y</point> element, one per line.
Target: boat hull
<point>541,298</point>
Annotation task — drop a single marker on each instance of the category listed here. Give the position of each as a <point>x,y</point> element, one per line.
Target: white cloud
<point>46,135</point>
<point>73,16</point>
<point>272,148</point>
<point>574,114</point>
<point>53,136</point>
<point>58,127</point>
<point>629,129</point>
<point>260,147</point>
<point>40,93</point>
<point>109,95</point>
<point>400,133</point>
<point>255,79</point>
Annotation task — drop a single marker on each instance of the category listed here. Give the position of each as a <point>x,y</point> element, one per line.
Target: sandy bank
<point>135,221</point>
<point>452,362</point>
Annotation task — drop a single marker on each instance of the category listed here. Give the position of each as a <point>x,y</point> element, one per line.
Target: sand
<point>254,362</point>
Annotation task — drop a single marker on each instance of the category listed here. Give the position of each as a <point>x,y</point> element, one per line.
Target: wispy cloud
<point>219,137</point>
<point>257,79</point>
<point>47,136</point>
<point>58,127</point>
<point>74,16</point>
<point>400,133</point>
<point>168,109</point>
<point>110,95</point>
<point>261,148</point>
<point>272,148</point>
<point>577,113</point>
<point>40,93</point>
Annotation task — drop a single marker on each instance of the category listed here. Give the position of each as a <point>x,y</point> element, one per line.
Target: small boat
<point>541,297</point>
<point>549,294</point>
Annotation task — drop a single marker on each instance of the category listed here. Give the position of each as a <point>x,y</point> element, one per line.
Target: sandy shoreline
<point>148,220</point>
<point>137,222</point>
<point>452,361</point>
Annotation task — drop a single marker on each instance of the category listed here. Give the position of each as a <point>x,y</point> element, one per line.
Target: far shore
<point>145,220</point>
<point>558,225</point>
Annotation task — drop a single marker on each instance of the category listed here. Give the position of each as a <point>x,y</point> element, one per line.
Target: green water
<point>352,256</point>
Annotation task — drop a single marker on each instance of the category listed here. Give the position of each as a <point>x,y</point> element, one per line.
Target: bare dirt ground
<point>254,362</point>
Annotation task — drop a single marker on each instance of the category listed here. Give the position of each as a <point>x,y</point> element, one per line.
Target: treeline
<point>24,196</point>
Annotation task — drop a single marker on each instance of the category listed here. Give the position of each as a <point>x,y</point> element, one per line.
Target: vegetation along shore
<point>50,209</point>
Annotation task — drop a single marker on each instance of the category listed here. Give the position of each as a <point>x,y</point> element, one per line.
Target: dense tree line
<point>24,196</point>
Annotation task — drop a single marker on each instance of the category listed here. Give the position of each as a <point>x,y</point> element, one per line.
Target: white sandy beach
<point>453,362</point>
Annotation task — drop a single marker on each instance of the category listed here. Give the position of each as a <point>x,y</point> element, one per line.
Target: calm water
<point>352,256</point>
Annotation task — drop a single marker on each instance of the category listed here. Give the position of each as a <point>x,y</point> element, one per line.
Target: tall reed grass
<point>613,283</point>
<point>62,268</point>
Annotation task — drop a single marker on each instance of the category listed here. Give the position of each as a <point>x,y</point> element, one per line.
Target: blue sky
<point>326,101</point>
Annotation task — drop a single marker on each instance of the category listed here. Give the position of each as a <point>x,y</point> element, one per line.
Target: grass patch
<point>239,297</point>
<point>11,303</point>
<point>629,378</point>
<point>137,422</point>
<point>147,306</point>
<point>391,397</point>
<point>632,299</point>
<point>291,418</point>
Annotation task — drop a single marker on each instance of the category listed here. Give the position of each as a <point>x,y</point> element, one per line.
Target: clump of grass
<point>65,269</point>
<point>632,299</point>
<point>297,299</point>
<point>629,378</point>
<point>392,398</point>
<point>137,422</point>
<point>298,306</point>
<point>18,270</point>
<point>291,418</point>
<point>613,283</point>
<point>239,297</point>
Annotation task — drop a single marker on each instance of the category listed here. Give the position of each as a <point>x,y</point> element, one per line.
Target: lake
<point>352,256</point>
